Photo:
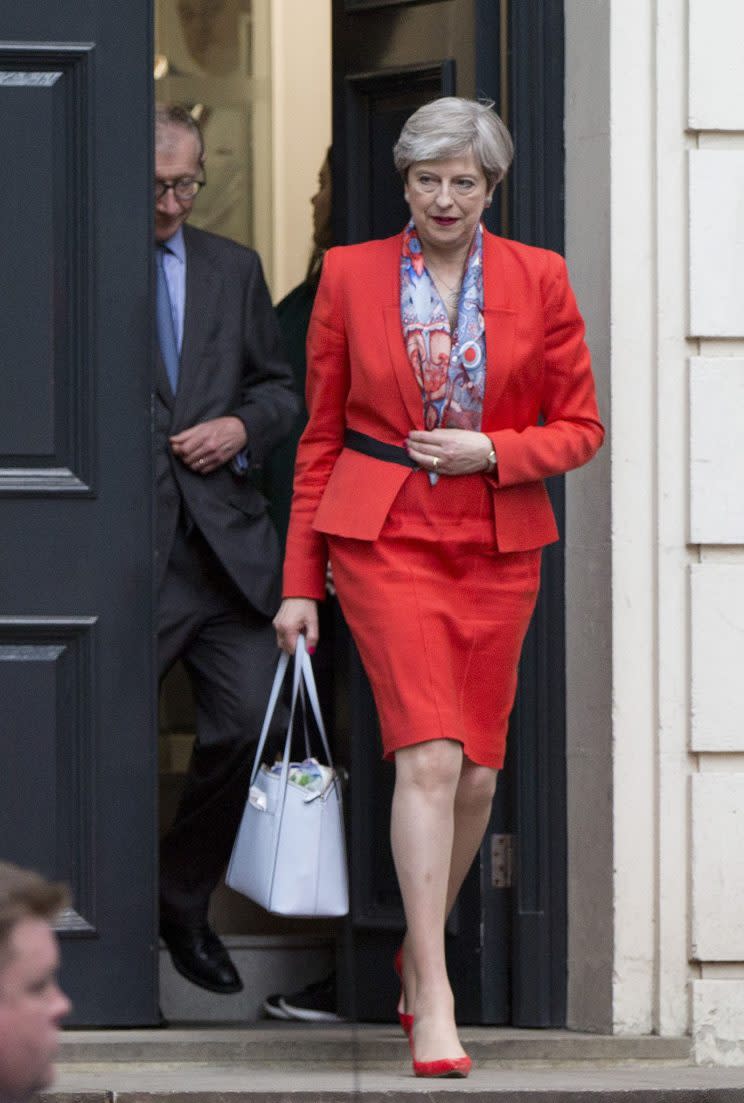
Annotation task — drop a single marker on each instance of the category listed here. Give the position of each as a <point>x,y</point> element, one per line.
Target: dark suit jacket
<point>231,363</point>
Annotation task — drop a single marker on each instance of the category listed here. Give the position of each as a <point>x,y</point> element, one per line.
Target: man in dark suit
<point>224,399</point>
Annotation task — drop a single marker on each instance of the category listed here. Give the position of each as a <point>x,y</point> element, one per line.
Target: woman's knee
<point>477,786</point>
<point>434,765</point>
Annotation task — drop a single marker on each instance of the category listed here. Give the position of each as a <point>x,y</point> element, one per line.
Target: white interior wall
<point>301,132</point>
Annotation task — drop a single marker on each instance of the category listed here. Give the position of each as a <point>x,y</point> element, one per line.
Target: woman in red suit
<point>447,378</point>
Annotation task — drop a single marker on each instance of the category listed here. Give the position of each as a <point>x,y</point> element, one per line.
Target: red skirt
<point>439,616</point>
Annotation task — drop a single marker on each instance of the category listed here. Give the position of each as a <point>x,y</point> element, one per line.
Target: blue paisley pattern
<point>450,368</point>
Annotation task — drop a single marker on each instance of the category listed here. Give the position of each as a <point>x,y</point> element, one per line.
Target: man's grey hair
<point>451,127</point>
<point>170,115</point>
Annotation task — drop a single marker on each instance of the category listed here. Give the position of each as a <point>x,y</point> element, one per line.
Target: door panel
<point>77,727</point>
<point>377,105</point>
<point>506,937</point>
<point>538,725</point>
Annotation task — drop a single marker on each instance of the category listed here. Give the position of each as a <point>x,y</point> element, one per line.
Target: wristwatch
<point>491,462</point>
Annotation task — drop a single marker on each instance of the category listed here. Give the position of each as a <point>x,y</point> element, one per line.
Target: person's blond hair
<point>26,895</point>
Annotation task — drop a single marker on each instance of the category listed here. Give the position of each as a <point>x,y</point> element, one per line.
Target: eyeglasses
<point>427,184</point>
<point>185,188</point>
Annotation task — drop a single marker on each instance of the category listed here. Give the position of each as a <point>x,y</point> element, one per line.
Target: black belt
<point>371,446</point>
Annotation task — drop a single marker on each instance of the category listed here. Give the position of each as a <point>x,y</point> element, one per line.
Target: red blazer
<point>359,377</point>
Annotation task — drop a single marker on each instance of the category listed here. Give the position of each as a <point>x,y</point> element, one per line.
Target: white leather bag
<point>290,851</point>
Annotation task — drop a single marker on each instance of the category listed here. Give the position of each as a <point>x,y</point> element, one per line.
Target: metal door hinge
<point>501,861</point>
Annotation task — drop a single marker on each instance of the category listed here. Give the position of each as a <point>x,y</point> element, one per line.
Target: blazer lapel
<point>387,272</point>
<point>409,391</point>
<point>202,291</point>
<point>499,317</point>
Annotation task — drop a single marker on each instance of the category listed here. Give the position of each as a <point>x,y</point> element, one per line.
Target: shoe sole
<point>274,1011</point>
<point>220,990</point>
<point>306,1015</point>
<point>442,1075</point>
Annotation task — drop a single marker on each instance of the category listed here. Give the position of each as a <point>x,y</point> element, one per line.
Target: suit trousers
<point>229,652</point>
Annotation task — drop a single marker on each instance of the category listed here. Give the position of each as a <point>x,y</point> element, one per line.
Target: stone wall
<point>655,580</point>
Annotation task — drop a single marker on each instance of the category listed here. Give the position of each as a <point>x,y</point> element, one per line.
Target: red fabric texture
<point>539,408</point>
<point>439,616</point>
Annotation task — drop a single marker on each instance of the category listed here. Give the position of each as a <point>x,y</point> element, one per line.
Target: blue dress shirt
<point>174,266</point>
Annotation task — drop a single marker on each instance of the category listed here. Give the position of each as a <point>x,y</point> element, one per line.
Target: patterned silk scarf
<point>450,368</point>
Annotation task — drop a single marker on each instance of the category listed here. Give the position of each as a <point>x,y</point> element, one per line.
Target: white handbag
<point>290,851</point>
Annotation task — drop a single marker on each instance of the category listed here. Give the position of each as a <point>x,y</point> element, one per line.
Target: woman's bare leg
<point>472,810</point>
<point>422,831</point>
<point>473,801</point>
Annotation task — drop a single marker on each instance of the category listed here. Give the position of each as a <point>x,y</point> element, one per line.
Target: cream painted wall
<point>663,148</point>
<point>301,129</point>
<point>716,411</point>
<point>588,534</point>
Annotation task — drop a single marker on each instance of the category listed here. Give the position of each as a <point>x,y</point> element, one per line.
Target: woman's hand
<point>449,451</point>
<point>297,615</point>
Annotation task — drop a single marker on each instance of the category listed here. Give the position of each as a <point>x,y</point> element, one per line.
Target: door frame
<point>536,212</point>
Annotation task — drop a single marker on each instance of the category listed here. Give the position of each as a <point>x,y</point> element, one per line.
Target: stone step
<point>315,1083</point>
<point>360,1045</point>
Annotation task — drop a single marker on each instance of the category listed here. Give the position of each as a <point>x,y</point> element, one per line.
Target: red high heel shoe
<point>406,1020</point>
<point>449,1066</point>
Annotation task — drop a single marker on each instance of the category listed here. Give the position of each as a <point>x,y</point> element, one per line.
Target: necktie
<point>164,318</point>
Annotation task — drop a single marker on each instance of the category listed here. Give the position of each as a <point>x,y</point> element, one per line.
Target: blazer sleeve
<point>327,387</point>
<point>571,431</point>
<point>268,402</point>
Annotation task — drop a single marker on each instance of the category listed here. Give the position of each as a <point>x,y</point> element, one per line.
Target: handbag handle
<point>302,673</point>
<point>312,693</point>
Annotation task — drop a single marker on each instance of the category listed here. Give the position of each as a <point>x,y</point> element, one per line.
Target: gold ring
<point>435,462</point>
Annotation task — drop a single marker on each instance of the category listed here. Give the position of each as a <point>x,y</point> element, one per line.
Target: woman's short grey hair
<point>450,127</point>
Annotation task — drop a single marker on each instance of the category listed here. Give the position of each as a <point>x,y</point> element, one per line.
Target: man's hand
<point>209,445</point>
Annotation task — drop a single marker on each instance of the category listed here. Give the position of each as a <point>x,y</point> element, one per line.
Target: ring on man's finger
<point>201,461</point>
<point>435,462</point>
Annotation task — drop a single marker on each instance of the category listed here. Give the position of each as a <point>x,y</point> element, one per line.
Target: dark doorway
<point>506,938</point>
<point>77,725</point>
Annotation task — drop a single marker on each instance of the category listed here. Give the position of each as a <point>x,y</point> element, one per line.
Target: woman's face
<point>447,199</point>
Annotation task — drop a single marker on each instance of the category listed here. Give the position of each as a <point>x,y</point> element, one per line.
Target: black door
<point>77,723</point>
<point>506,938</point>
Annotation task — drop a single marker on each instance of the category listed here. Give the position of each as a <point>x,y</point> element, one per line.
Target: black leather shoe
<point>199,955</point>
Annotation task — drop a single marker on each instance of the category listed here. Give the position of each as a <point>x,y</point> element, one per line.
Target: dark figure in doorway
<point>293,314</point>
<point>317,1002</point>
<point>224,399</point>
